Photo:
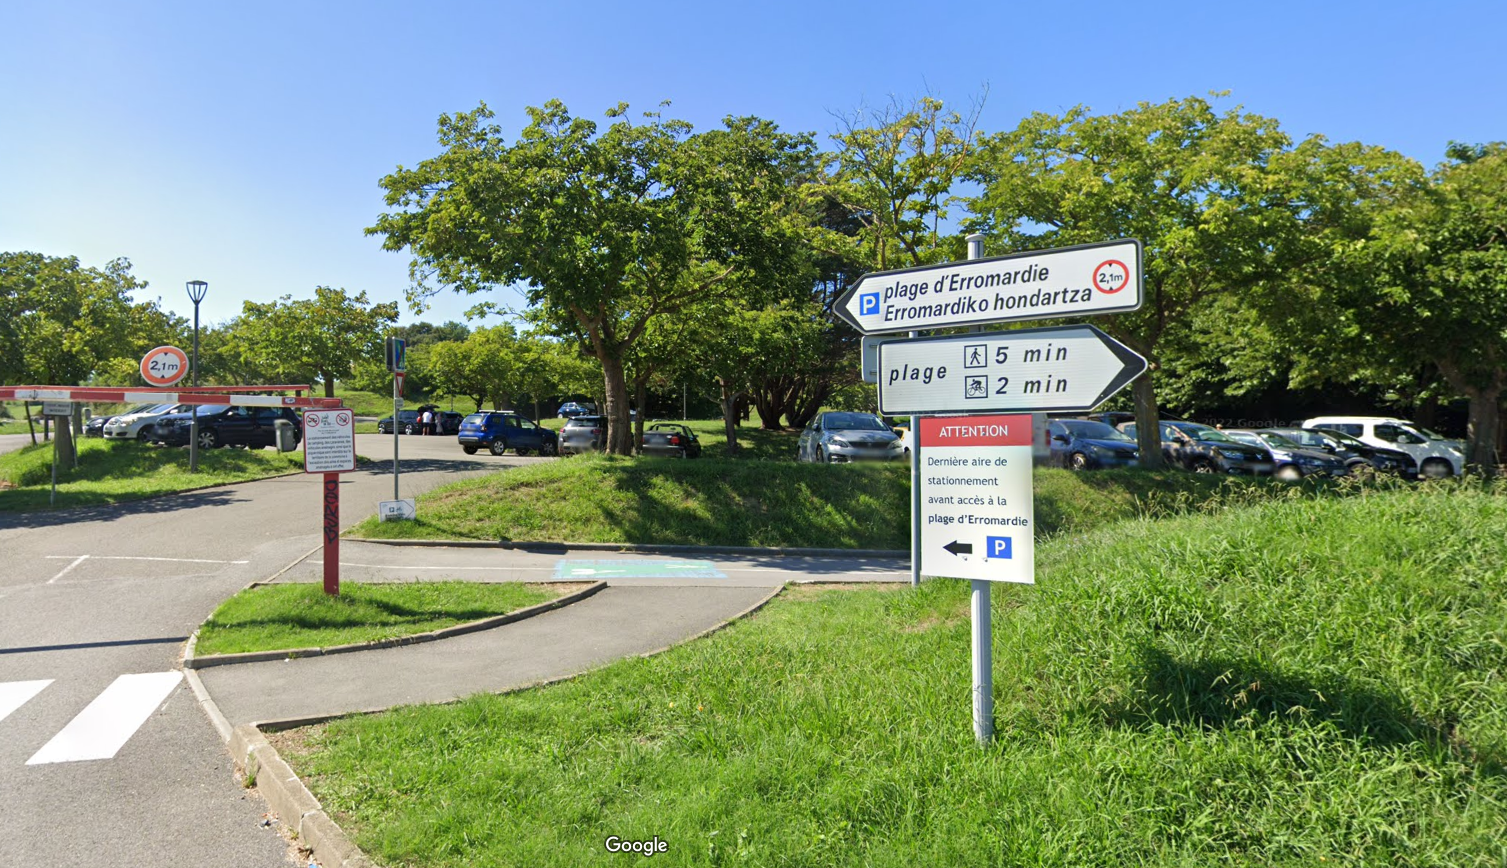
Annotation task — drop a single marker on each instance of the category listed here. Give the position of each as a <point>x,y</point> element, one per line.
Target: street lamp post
<point>196,291</point>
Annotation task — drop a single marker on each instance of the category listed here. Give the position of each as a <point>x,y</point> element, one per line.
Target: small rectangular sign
<point>978,511</point>
<point>57,408</point>
<point>329,441</point>
<point>397,510</point>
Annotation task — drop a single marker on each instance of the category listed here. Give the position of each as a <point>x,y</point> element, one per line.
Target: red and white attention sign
<point>164,366</point>
<point>329,441</point>
<point>976,498</point>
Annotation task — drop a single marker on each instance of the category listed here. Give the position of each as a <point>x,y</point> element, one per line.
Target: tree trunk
<point>619,437</point>
<point>329,384</point>
<point>1482,428</point>
<point>640,397</point>
<point>730,417</point>
<point>1148,432</point>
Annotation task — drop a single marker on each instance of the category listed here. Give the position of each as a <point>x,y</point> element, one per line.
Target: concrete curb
<point>548,548</point>
<point>297,807</point>
<point>191,662</point>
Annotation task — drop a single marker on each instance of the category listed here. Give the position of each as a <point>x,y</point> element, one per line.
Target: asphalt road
<point>90,595</point>
<point>105,756</point>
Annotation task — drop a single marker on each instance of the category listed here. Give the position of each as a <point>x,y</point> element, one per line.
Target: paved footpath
<point>106,757</point>
<point>653,600</point>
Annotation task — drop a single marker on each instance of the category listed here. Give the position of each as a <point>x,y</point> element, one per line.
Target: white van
<point>1437,456</point>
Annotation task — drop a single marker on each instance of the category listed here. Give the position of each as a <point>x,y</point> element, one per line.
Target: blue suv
<point>499,432</point>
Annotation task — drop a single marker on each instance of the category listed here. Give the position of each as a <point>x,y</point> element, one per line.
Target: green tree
<point>893,171</point>
<point>324,336</point>
<point>61,322</point>
<point>1196,186</point>
<point>607,229</point>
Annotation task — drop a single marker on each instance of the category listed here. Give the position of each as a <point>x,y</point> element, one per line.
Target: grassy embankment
<point>114,472</point>
<point>278,617</point>
<point>1307,681</point>
<point>709,501</point>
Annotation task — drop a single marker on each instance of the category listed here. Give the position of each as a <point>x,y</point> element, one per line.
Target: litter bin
<point>287,439</point>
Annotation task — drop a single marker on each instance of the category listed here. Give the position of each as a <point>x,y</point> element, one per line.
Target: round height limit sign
<point>329,441</point>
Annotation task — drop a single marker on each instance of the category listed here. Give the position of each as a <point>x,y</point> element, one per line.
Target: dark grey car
<point>583,434</point>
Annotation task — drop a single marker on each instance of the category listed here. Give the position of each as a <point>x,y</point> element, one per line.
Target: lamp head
<point>196,290</point>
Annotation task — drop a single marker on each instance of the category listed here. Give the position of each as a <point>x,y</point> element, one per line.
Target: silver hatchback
<point>583,434</point>
<point>841,437</point>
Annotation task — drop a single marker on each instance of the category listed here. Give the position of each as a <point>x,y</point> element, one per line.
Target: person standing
<point>426,422</point>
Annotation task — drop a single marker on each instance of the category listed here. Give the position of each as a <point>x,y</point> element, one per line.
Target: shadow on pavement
<point>162,504</point>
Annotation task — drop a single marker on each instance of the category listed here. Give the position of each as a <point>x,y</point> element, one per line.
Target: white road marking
<point>107,723</point>
<point>14,694</point>
<point>80,559</point>
<point>135,558</point>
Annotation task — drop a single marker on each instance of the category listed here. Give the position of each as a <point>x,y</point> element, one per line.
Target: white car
<point>138,426</point>
<point>1437,456</point>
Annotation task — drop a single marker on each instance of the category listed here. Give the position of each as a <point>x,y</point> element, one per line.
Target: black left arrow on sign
<point>959,548</point>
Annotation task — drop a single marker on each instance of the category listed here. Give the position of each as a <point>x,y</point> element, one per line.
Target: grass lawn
<point>114,472</point>
<point>711,501</point>
<point>1307,681</point>
<point>278,617</point>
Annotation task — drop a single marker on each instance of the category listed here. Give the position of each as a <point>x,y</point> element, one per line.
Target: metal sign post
<point>329,448</point>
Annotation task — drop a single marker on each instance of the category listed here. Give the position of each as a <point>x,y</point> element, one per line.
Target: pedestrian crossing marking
<point>107,723</point>
<point>14,694</point>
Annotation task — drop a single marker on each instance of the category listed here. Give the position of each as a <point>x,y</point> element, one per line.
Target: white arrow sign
<point>1070,281</point>
<point>397,510</point>
<point>1064,368</point>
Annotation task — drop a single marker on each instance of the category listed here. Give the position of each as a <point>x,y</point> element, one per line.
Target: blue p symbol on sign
<point>997,547</point>
<point>868,303</point>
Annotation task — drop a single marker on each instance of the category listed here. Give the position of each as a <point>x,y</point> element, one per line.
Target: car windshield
<point>1207,435</point>
<point>1246,437</point>
<point>158,408</point>
<point>854,422</point>
<point>475,419</point>
<point>1429,434</point>
<point>1344,439</point>
<point>211,409</point>
<point>1095,431</point>
<point>1274,439</point>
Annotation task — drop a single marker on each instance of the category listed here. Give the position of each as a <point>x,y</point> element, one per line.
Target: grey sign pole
<point>915,498</point>
<point>983,636</point>
<point>395,399</point>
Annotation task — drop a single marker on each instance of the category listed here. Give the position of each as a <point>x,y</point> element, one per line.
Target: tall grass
<point>1304,682</point>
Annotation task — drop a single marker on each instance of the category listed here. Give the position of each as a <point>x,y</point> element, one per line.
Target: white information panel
<point>329,441</point>
<point>976,498</point>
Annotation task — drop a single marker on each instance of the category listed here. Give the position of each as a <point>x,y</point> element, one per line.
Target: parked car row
<point>1325,445</point>
<point>222,425</point>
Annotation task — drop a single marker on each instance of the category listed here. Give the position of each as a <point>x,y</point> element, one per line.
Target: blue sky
<point>243,145</point>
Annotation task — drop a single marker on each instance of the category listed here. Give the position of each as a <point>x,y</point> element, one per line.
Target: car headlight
<point>1219,453</point>
<point>838,441</point>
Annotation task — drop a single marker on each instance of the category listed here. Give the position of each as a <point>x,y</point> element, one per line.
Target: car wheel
<point>408,429</point>
<point>548,449</point>
<point>1289,473</point>
<point>498,447</point>
<point>208,439</point>
<point>1436,468</point>
<point>1362,468</point>
<point>469,450</point>
<point>1204,465</point>
<point>142,435</point>
<point>1077,461</point>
